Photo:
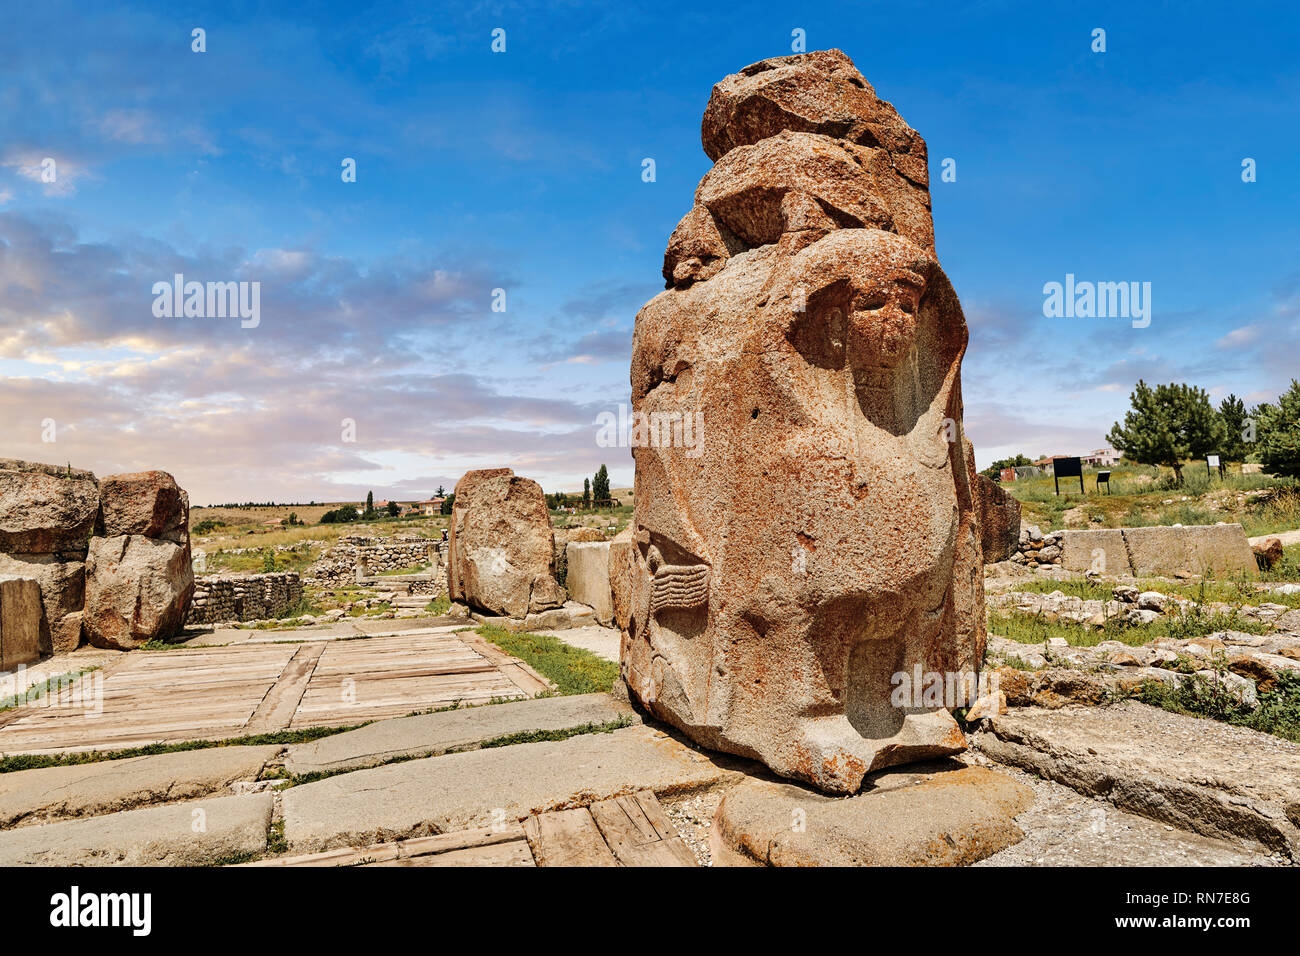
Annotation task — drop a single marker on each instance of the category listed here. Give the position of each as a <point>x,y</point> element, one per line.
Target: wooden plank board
<point>398,849</point>
<point>514,853</point>
<point>639,832</point>
<point>503,660</point>
<point>277,708</point>
<point>567,838</point>
<point>220,692</point>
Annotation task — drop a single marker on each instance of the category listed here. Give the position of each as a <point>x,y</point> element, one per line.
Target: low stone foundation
<point>245,597</point>
<point>337,567</point>
<point>1220,549</point>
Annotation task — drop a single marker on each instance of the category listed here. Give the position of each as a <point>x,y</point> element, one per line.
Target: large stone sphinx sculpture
<point>819,537</point>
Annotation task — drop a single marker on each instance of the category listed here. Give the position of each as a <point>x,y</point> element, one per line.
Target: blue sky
<point>522,171</point>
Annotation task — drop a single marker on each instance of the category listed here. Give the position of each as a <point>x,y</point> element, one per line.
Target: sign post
<point>1068,468</point>
<point>1103,478</point>
<point>1212,461</point>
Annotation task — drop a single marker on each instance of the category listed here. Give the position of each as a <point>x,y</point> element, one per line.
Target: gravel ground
<point>693,818</point>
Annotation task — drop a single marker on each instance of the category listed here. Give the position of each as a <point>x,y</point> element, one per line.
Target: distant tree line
<point>1171,424</point>
<point>595,491</point>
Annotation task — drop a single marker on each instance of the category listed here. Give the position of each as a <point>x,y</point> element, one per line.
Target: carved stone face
<point>819,539</point>
<point>823,510</point>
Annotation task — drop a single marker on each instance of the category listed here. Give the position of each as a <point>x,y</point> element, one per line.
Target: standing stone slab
<point>588,577</point>
<point>501,557</point>
<point>63,594</point>
<point>806,524</point>
<point>999,521</point>
<point>20,622</point>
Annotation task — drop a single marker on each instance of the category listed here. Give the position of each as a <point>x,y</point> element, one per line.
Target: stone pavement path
<point>628,830</point>
<point>601,641</point>
<point>602,796</point>
<point>1191,773</point>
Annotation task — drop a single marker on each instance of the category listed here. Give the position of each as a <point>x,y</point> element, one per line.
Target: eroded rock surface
<point>819,533</point>
<point>137,590</point>
<point>502,554</point>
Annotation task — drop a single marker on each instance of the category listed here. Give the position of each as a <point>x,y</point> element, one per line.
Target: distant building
<point>1102,458</point>
<point>431,507</point>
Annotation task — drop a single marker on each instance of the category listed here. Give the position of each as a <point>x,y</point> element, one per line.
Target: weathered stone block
<point>588,577</point>
<point>149,503</point>
<point>1102,550</point>
<point>944,817</point>
<point>999,521</point>
<point>502,551</point>
<point>1157,550</point>
<point>138,589</point>
<point>1198,549</point>
<point>20,622</point>
<point>63,593</point>
<point>42,513</point>
<point>1220,549</point>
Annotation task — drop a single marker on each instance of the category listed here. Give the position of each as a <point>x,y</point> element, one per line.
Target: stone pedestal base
<point>932,815</point>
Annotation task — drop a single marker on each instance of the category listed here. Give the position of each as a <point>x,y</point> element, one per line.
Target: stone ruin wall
<point>245,597</point>
<point>337,566</point>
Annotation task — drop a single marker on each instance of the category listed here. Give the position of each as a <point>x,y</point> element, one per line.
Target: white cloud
<point>1239,338</point>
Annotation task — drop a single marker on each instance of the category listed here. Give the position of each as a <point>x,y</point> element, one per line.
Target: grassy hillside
<point>1142,495</point>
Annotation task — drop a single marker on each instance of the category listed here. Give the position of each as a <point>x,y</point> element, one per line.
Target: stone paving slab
<point>429,734</point>
<point>499,785</point>
<point>51,793</point>
<point>1065,828</point>
<point>180,834</point>
<point>601,641</point>
<point>348,627</point>
<point>1200,775</point>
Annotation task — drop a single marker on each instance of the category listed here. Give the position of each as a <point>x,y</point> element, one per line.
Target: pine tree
<point>1279,434</point>
<point>1232,411</point>
<point>600,485</point>
<point>586,492</point>
<point>1168,425</point>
